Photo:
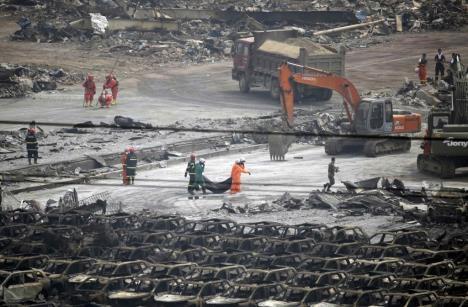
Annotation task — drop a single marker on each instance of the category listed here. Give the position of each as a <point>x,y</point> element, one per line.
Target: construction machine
<point>373,128</point>
<point>445,145</point>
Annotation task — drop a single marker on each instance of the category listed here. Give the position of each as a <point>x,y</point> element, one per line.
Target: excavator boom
<point>367,117</point>
<point>317,78</point>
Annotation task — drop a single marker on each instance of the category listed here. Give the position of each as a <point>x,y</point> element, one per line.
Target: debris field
<point>78,256</point>
<point>123,191</point>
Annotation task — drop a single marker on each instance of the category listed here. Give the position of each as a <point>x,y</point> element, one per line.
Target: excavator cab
<point>374,116</point>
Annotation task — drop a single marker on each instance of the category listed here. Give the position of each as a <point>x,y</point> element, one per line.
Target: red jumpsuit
<point>422,65</point>
<point>123,160</point>
<point>105,100</point>
<point>236,172</point>
<point>112,84</point>
<point>90,90</point>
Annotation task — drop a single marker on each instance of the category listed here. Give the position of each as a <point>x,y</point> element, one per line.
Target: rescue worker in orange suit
<point>105,99</point>
<point>123,160</point>
<point>131,165</point>
<point>422,66</point>
<point>237,169</point>
<point>89,91</point>
<point>113,85</point>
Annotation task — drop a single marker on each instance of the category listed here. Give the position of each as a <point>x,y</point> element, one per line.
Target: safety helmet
<point>242,160</point>
<point>238,161</point>
<point>202,161</point>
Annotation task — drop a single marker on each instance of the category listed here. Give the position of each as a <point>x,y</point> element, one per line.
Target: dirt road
<point>170,93</point>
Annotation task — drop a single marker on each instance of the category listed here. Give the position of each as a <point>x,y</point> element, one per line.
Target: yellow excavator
<point>374,127</point>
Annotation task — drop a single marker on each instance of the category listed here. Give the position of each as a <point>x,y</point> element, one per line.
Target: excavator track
<point>374,148</point>
<point>442,167</point>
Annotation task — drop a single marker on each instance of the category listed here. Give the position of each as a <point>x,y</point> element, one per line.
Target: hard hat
<point>242,160</point>
<point>237,161</point>
<point>202,161</point>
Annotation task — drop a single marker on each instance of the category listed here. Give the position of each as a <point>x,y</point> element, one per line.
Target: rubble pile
<point>197,41</point>
<point>427,96</point>
<point>81,256</point>
<point>211,39</point>
<point>375,196</point>
<point>318,124</point>
<point>18,80</point>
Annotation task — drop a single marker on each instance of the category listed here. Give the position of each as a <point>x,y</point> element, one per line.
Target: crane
<point>374,127</point>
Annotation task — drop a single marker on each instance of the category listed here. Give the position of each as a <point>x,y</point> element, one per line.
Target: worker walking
<point>123,160</point>
<point>112,84</point>
<point>332,170</point>
<point>439,67</point>
<point>237,169</point>
<point>190,170</point>
<point>199,180</point>
<point>131,165</point>
<point>89,91</point>
<point>32,145</point>
<point>422,66</point>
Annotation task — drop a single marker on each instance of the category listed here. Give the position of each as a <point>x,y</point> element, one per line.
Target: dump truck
<point>256,60</point>
<point>445,145</point>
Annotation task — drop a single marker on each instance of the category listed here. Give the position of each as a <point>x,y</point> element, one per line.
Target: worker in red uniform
<point>422,66</point>
<point>237,169</point>
<point>123,160</point>
<point>113,85</point>
<point>105,99</point>
<point>89,90</point>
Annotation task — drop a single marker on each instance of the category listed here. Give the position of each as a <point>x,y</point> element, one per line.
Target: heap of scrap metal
<point>81,258</point>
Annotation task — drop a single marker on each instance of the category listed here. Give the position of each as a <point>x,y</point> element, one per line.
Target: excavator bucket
<point>278,145</point>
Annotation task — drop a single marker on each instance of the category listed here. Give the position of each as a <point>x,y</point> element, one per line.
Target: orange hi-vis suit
<point>90,89</point>
<point>112,84</point>
<point>123,160</point>
<point>236,172</point>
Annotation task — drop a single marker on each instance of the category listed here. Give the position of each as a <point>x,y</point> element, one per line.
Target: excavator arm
<point>318,78</point>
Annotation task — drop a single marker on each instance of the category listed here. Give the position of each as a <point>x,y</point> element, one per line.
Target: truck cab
<point>241,62</point>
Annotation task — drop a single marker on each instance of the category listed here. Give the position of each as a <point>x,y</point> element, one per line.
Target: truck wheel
<point>274,89</point>
<point>447,169</point>
<point>420,163</point>
<point>244,84</point>
<point>324,94</point>
<point>333,147</point>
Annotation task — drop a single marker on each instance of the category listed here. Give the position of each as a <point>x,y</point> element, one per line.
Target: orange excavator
<point>374,127</point>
